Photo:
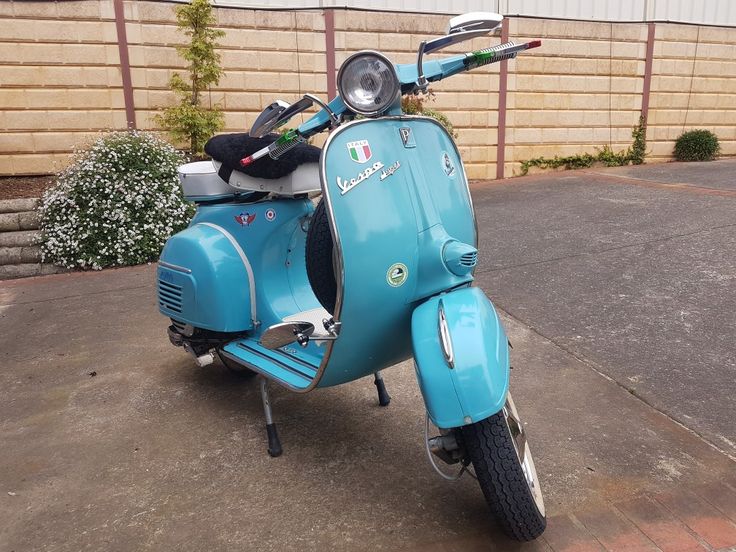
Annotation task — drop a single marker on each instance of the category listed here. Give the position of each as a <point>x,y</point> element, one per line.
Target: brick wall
<point>693,86</point>
<point>59,81</point>
<point>582,89</point>
<point>266,56</point>
<point>61,78</point>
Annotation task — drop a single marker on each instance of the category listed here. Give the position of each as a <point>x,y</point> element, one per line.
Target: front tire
<point>505,470</point>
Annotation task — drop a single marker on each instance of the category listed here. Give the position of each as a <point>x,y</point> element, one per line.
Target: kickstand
<point>383,397</point>
<point>274,443</point>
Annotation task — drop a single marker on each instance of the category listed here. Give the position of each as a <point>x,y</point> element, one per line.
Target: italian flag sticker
<point>360,151</point>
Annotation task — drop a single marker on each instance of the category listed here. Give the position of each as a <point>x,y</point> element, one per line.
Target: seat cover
<point>229,149</point>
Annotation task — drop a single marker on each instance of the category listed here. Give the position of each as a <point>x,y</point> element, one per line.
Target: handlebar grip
<point>508,50</point>
<point>282,148</point>
<point>275,149</point>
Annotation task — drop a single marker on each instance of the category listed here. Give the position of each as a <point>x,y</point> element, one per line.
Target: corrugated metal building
<point>707,12</point>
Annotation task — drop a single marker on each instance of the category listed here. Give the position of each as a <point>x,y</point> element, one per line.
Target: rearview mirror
<point>475,21</point>
<point>268,119</point>
<point>277,114</point>
<point>461,28</point>
<point>464,27</point>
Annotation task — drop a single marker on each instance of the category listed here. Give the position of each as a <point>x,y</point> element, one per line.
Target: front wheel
<point>505,470</point>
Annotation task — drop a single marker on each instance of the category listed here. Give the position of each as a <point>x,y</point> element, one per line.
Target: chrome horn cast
<point>516,429</point>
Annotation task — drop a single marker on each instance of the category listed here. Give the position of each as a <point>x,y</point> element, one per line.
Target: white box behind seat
<point>200,181</point>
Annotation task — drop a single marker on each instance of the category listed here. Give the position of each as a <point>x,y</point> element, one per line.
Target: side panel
<point>476,386</point>
<point>202,281</point>
<point>215,284</point>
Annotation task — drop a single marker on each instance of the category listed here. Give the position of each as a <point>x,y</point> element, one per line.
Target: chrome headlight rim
<point>394,78</point>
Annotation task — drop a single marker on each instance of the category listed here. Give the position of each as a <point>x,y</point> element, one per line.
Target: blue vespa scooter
<point>310,298</point>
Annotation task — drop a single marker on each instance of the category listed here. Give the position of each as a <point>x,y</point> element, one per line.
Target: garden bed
<point>16,187</point>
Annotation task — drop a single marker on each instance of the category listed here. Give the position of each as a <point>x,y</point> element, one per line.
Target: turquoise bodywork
<point>475,386</point>
<point>399,209</point>
<point>215,294</point>
<point>201,281</point>
<point>401,219</point>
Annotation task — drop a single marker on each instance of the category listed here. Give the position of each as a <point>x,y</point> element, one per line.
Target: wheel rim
<point>523,454</point>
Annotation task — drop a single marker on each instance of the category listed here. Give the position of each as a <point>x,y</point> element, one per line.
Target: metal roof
<point>710,12</point>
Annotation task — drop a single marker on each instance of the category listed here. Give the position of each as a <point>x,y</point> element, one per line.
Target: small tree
<point>190,120</point>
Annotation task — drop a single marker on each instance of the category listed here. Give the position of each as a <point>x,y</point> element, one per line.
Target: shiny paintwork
<point>217,294</point>
<point>405,218</point>
<point>475,386</point>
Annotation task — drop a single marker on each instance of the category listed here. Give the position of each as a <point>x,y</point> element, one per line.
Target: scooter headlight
<point>368,83</point>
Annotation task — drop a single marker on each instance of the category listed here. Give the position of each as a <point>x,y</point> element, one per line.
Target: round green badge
<point>397,274</point>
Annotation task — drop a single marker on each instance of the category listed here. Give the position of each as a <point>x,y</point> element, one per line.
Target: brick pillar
<point>330,52</point>
<point>502,89</point>
<point>648,73</point>
<point>124,63</point>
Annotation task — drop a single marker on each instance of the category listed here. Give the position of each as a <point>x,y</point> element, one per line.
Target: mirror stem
<point>324,106</point>
<point>421,80</point>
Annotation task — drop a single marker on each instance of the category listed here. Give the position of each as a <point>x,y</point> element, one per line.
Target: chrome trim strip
<point>246,264</point>
<point>445,338</point>
<point>175,267</point>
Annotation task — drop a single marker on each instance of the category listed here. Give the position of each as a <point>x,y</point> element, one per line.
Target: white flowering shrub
<point>116,204</point>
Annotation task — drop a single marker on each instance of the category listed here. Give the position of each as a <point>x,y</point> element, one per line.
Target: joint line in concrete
<point>598,369</point>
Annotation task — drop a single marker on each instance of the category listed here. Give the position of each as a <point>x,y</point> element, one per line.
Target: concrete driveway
<point>633,269</point>
<point>617,290</point>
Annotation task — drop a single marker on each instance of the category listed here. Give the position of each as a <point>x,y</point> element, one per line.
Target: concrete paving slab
<point>546,217</point>
<point>151,453</point>
<point>640,281</point>
<point>718,175</point>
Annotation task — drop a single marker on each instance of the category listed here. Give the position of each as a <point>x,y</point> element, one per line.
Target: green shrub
<point>415,105</point>
<point>634,154</point>
<point>697,145</point>
<point>116,204</point>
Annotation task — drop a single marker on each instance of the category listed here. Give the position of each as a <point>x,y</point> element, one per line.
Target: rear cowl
<point>202,281</point>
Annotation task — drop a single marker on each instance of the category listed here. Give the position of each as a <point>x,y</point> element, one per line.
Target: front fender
<point>475,386</point>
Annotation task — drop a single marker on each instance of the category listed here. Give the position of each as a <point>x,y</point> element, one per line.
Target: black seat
<point>229,149</point>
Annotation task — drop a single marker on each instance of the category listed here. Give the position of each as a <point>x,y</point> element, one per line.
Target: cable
<point>298,67</point>
<point>442,474</point>
<point>692,78</point>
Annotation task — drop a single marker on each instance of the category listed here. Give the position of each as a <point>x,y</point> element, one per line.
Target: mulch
<point>16,187</point>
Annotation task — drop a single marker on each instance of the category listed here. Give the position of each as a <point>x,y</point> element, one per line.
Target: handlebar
<point>434,71</point>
